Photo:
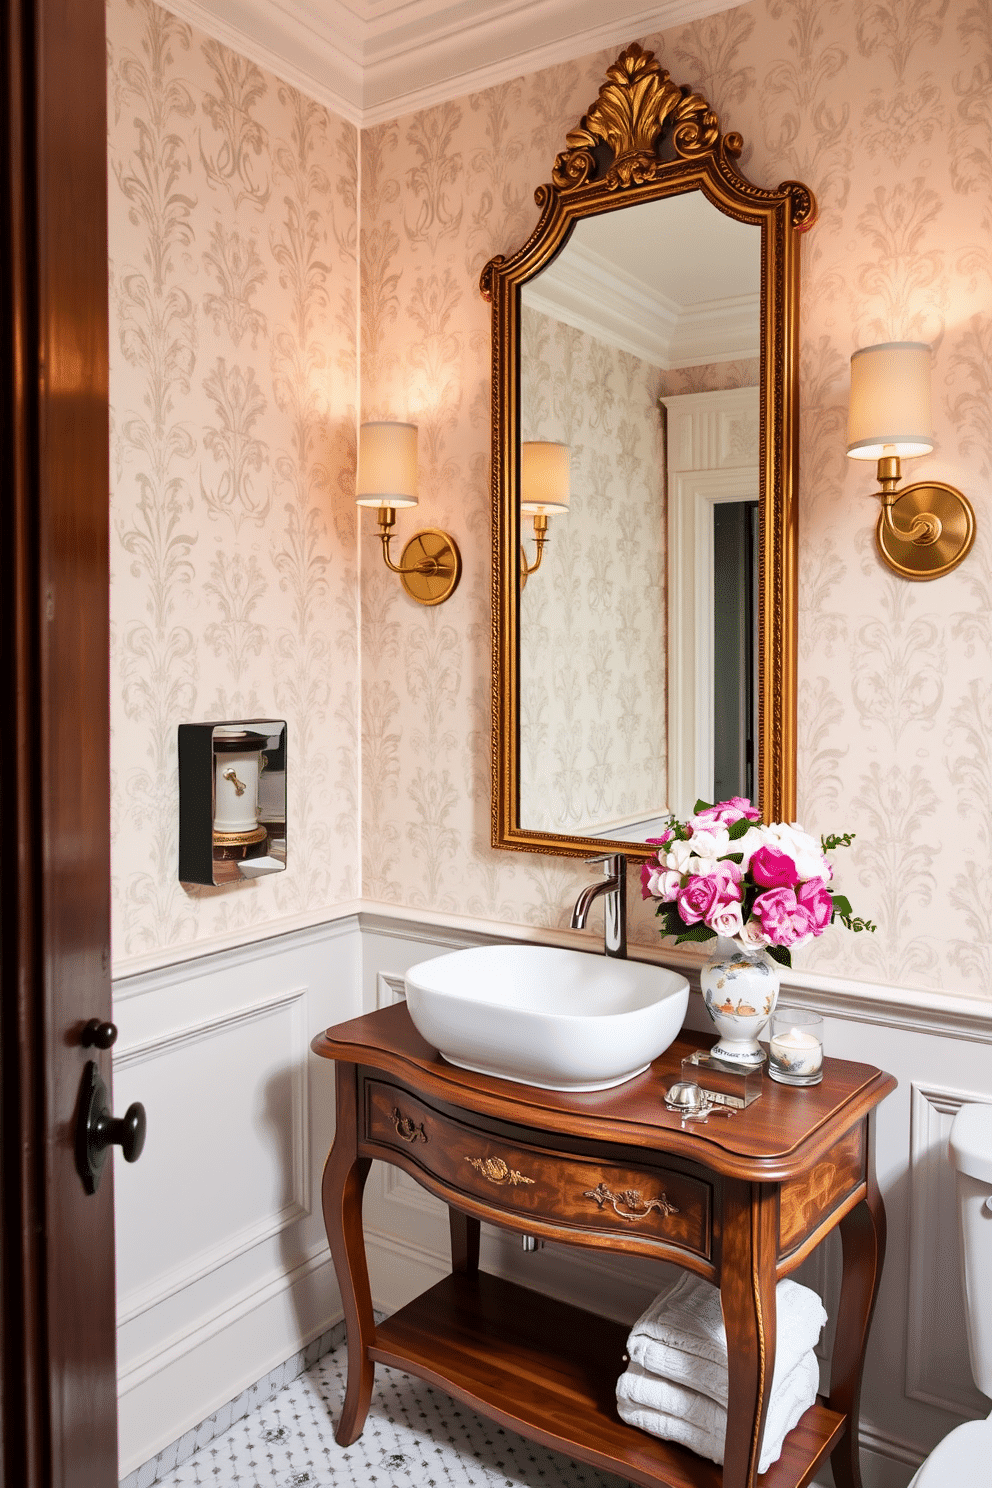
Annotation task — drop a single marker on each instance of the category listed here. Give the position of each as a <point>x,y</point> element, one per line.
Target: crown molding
<point>367,66</point>
<point>280,40</point>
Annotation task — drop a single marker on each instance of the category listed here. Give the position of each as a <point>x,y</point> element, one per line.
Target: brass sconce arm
<point>540,538</point>
<point>926,526</point>
<point>436,567</point>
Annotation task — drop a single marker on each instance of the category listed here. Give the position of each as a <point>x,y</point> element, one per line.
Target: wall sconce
<point>544,492</point>
<point>430,564</point>
<point>924,530</point>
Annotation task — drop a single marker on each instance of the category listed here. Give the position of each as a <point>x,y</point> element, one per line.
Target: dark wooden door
<point>58,1386</point>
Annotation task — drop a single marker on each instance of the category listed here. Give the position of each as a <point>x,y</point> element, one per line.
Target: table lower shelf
<point>549,1371</point>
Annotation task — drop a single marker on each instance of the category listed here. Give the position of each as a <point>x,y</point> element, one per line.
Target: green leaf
<point>701,806</point>
<point>844,839</point>
<point>842,906</point>
<point>781,954</point>
<point>696,932</point>
<point>739,829</point>
<point>856,923</point>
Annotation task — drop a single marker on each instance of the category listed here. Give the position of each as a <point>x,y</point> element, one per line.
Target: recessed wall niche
<point>232,800</point>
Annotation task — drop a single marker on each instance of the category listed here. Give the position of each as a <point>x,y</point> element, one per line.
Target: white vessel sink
<point>559,1019</point>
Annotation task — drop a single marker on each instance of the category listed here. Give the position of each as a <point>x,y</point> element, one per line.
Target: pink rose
<point>729,876</point>
<point>698,899</point>
<point>752,936</point>
<point>773,869</point>
<point>726,920</point>
<point>783,919</point>
<point>660,841</point>
<point>725,813</point>
<point>817,902</point>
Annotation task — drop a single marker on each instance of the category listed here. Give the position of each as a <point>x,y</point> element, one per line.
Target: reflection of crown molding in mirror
<point>590,293</point>
<point>645,139</point>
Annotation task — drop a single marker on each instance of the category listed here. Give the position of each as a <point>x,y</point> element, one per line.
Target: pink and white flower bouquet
<point>725,872</point>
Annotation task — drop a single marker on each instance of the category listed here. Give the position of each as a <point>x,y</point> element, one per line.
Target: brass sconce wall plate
<point>913,558</point>
<point>430,566</point>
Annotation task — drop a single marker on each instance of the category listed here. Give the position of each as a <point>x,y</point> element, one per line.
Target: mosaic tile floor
<point>415,1437</point>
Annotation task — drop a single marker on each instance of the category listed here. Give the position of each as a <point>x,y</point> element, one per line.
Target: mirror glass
<point>639,351</point>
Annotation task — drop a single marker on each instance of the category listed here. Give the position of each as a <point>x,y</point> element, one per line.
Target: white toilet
<point>964,1457</point>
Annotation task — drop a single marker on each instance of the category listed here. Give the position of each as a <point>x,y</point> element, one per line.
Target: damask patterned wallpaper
<point>593,719</point>
<point>233,232</point>
<point>885,111</point>
<point>233,222</point>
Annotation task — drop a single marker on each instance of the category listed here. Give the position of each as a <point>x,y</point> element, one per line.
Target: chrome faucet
<point>614,886</point>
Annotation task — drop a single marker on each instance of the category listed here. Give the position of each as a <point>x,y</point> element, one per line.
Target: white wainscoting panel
<point>224,1273</point>
<point>223,1269</point>
<point>242,1161</point>
<point>937,1367</point>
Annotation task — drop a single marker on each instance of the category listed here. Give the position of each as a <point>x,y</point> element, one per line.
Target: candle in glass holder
<point>795,1049</point>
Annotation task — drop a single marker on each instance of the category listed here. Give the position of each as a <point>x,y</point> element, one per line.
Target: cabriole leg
<point>747,1294</point>
<point>343,1185</point>
<point>862,1235</point>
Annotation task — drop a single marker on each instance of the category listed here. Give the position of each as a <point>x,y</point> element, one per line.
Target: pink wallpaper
<point>233,225</point>
<point>885,112</point>
<point>233,228</point>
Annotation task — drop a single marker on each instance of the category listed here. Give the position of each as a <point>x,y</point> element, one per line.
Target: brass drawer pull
<point>495,1170</point>
<point>631,1202</point>
<point>408,1129</point>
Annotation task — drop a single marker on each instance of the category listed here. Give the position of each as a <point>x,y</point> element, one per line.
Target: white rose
<point>753,936</point>
<point>677,857</point>
<point>727,920</point>
<point>711,842</point>
<point>664,884</point>
<point>701,867</point>
<point>747,845</point>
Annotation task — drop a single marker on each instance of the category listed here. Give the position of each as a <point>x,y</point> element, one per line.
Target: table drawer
<point>533,1182</point>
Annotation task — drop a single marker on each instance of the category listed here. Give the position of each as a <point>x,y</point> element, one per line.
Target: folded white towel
<point>679,1414</point>
<point>681,1335</point>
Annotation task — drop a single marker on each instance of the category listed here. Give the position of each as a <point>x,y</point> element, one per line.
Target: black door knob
<point>97,1035</point>
<point>97,1130</point>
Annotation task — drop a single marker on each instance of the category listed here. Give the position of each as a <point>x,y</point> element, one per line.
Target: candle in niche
<point>795,1049</point>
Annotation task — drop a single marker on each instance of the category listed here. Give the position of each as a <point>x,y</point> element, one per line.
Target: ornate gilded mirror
<point>645,449</point>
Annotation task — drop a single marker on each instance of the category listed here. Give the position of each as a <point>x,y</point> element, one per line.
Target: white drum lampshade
<point>544,477</point>
<point>890,411</point>
<point>387,465</point>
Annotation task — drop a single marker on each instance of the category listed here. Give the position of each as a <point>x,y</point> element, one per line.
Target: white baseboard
<point>181,1385</point>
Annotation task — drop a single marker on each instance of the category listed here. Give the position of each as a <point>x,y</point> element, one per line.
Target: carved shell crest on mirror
<point>576,769</point>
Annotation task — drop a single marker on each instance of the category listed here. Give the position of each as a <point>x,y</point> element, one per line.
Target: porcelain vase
<point>740,990</point>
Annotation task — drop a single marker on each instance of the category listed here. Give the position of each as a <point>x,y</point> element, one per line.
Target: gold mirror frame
<point>643,139</point>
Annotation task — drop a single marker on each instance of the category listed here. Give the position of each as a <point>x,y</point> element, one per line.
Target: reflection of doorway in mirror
<point>713,450</point>
<point>735,636</point>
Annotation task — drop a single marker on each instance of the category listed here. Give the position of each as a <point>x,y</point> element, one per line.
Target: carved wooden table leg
<point>747,1292</point>
<point>344,1183</point>
<point>464,1241</point>
<point>863,1238</point>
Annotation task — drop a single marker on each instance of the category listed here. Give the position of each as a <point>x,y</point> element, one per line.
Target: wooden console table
<point>741,1201</point>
